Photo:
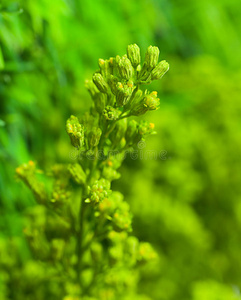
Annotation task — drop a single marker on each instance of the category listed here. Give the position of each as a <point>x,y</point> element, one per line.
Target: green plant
<point>79,230</point>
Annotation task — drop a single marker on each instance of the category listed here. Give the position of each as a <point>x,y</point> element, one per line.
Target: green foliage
<point>193,217</point>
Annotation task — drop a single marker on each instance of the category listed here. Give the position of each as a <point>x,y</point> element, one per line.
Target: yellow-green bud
<point>75,131</point>
<point>123,94</point>
<point>106,68</point>
<point>113,84</point>
<point>111,113</point>
<point>122,218</point>
<point>77,173</point>
<point>151,101</point>
<point>119,131</point>
<point>99,191</point>
<point>124,67</point>
<point>151,58</point>
<point>150,62</point>
<point>110,174</point>
<point>26,172</point>
<point>139,109</point>
<point>131,131</point>
<point>145,128</point>
<point>100,100</point>
<point>146,252</point>
<point>91,87</point>
<point>100,83</point>
<point>135,98</point>
<point>159,70</point>
<point>94,137</point>
<point>148,102</point>
<point>133,53</point>
<point>122,143</point>
<point>132,248</point>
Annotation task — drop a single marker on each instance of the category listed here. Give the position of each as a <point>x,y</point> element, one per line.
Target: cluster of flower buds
<point>110,113</point>
<point>60,193</point>
<point>108,206</point>
<point>122,218</point>
<point>116,94</point>
<point>75,131</point>
<point>137,131</point>
<point>99,191</point>
<point>27,172</point>
<point>152,70</point>
<point>117,211</point>
<point>119,78</point>
<point>110,166</point>
<point>118,134</point>
<point>129,250</point>
<point>147,101</point>
<point>39,225</point>
<point>146,252</point>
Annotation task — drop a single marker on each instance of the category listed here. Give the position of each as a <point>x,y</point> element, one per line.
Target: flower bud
<point>119,131</point>
<point>139,109</point>
<point>100,83</point>
<point>151,101</point>
<point>131,131</point>
<point>132,248</point>
<point>133,53</point>
<point>151,58</point>
<point>77,173</point>
<point>106,67</point>
<point>145,128</point>
<point>159,70</point>
<point>135,98</point>
<point>123,94</point>
<point>122,218</point>
<point>100,100</point>
<point>110,174</point>
<point>26,172</point>
<point>146,252</point>
<point>75,131</point>
<point>113,84</point>
<point>122,143</point>
<point>115,254</point>
<point>124,67</point>
<point>91,87</point>
<point>150,62</point>
<point>148,102</point>
<point>110,113</point>
<point>99,191</point>
<point>94,137</point>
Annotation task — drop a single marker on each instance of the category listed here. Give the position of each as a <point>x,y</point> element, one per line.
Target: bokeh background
<point>187,202</point>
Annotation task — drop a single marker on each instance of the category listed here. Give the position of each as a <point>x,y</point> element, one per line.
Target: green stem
<point>110,129</point>
<point>125,116</point>
<point>80,233</point>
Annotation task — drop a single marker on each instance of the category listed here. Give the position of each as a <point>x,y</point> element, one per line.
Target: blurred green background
<point>187,201</point>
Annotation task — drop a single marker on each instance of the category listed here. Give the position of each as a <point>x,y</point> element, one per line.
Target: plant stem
<point>80,232</point>
<point>110,129</point>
